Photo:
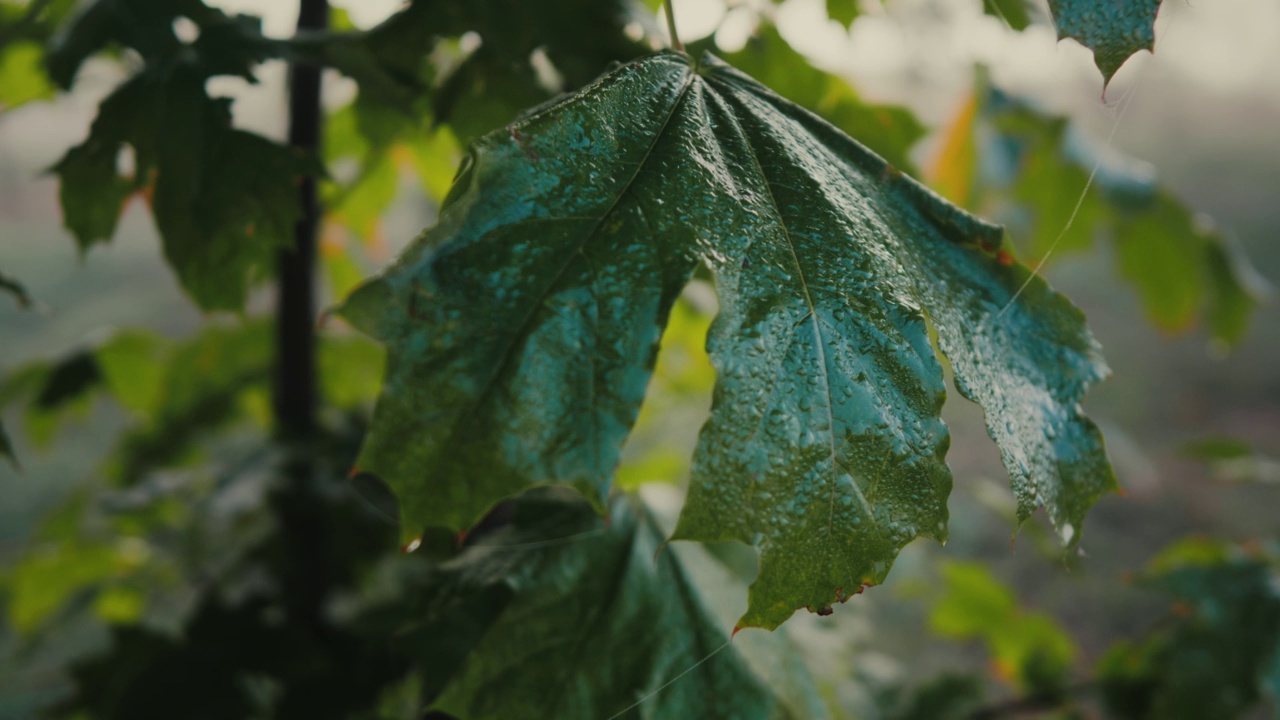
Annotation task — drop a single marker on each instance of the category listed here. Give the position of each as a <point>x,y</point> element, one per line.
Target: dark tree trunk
<point>295,372</point>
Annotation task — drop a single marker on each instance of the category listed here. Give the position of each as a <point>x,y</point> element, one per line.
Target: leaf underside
<point>522,330</point>
<point>1113,29</point>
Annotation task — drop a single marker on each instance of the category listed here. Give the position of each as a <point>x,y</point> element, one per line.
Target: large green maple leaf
<point>522,330</point>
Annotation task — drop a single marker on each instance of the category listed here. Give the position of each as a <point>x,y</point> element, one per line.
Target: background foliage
<point>206,567</point>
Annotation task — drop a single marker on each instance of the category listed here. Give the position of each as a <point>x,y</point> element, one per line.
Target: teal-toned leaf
<point>1013,13</point>
<point>522,330</point>
<point>1112,29</point>
<point>1212,658</point>
<point>593,627</point>
<point>889,130</point>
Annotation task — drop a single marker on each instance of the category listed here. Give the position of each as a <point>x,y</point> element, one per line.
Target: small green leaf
<point>1013,13</point>
<point>1112,29</point>
<point>843,11</point>
<point>522,331</point>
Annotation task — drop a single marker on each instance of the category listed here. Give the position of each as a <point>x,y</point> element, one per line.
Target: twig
<point>671,26</point>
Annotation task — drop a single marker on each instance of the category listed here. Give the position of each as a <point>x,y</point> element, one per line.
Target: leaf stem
<point>671,26</point>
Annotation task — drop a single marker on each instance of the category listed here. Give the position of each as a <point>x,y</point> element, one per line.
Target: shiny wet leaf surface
<point>522,331</point>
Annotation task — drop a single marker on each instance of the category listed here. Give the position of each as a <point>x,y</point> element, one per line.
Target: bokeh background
<point>1203,113</point>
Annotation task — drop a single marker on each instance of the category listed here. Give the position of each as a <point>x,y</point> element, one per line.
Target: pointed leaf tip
<point>1113,30</point>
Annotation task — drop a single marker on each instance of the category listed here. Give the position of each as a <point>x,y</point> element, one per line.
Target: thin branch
<point>671,25</point>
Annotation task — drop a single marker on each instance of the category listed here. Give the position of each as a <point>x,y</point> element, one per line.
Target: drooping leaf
<point>1059,194</point>
<point>1112,29</point>
<point>593,626</point>
<point>1212,658</point>
<point>522,330</point>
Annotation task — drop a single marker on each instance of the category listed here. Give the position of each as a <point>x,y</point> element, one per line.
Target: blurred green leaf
<point>843,11</point>
<point>1014,13</point>
<point>1234,461</point>
<point>226,44</point>
<point>200,388</point>
<point>889,130</point>
<point>1212,658</point>
<point>22,77</point>
<point>1216,448</point>
<point>496,81</point>
<point>1034,176</point>
<point>224,200</point>
<point>679,392</point>
<point>43,581</point>
<point>351,369</point>
<point>1030,650</point>
<point>239,628</point>
<point>1112,30</point>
